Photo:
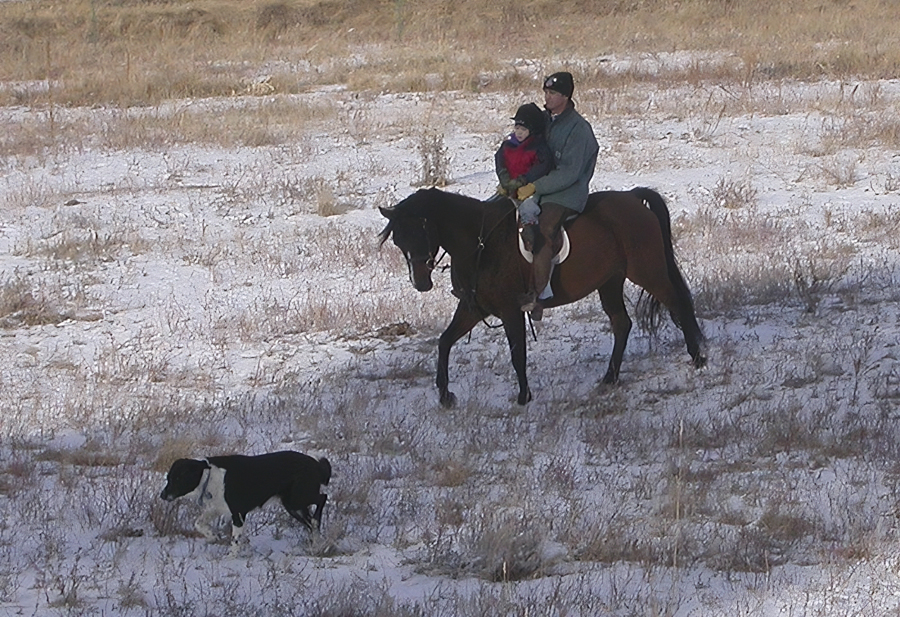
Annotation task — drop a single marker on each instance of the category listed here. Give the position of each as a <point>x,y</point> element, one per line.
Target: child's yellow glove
<point>526,191</point>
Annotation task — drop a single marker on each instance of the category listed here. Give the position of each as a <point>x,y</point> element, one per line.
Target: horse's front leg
<point>514,325</point>
<point>462,323</point>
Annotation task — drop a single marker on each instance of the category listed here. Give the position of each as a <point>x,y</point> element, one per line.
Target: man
<point>563,192</point>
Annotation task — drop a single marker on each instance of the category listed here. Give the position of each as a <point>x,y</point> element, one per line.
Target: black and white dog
<point>236,484</point>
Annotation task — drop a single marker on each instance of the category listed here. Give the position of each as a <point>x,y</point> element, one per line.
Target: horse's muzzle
<point>420,275</point>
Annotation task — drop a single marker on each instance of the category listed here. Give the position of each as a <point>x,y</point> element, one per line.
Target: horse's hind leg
<point>462,323</point>
<point>685,319</point>
<point>677,299</point>
<point>681,308</point>
<point>613,301</point>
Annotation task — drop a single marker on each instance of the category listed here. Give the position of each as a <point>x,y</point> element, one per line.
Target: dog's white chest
<point>210,493</point>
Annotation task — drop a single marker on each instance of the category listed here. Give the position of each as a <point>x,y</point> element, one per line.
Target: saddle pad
<point>557,259</point>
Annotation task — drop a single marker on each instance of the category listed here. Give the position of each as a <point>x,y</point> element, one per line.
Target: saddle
<point>561,245</point>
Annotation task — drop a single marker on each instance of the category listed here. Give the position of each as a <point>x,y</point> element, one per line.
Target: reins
<point>471,294</point>
<point>479,249</point>
<point>436,262</point>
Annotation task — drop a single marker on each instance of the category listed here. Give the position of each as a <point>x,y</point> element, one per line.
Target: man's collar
<point>569,106</point>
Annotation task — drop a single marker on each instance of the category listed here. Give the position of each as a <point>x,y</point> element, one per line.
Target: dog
<point>236,484</point>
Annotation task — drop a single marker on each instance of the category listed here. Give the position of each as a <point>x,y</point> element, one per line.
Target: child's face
<point>521,132</point>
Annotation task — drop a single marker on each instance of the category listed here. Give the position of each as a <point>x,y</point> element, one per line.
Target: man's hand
<point>501,190</point>
<point>526,191</point>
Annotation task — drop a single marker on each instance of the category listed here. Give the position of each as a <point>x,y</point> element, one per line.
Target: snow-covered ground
<point>166,298</point>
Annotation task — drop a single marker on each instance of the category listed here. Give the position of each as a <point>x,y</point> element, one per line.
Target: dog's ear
<point>179,464</point>
<point>325,469</point>
<point>187,466</point>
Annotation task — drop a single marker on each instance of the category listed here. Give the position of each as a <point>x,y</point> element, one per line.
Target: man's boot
<point>529,233</point>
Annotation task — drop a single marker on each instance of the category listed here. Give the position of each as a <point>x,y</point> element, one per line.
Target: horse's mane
<point>385,233</point>
<point>420,203</point>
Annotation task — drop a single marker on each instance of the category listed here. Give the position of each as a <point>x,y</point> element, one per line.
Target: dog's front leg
<point>202,525</point>
<point>205,531</point>
<point>237,530</point>
<point>302,514</point>
<point>320,504</point>
<point>235,542</point>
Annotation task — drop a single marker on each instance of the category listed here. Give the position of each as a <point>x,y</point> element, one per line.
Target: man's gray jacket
<point>574,147</point>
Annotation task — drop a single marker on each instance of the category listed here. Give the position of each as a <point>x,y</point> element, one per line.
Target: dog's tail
<point>325,470</point>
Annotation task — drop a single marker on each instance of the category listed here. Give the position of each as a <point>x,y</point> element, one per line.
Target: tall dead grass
<point>135,52</point>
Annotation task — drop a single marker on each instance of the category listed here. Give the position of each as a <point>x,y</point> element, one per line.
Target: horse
<point>617,237</point>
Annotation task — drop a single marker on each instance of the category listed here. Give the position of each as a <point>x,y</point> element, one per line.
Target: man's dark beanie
<point>561,82</point>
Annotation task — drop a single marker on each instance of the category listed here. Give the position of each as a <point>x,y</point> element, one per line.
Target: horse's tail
<point>686,319</point>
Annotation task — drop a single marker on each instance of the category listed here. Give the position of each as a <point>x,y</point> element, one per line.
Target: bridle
<point>430,262</point>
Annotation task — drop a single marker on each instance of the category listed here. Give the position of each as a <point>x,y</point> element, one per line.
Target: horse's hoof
<point>699,361</point>
<point>610,379</point>
<point>448,400</point>
<point>524,397</point>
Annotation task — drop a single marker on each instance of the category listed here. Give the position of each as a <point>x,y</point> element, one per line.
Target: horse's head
<point>416,236</point>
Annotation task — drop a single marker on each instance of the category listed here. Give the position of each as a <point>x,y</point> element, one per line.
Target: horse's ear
<point>387,213</point>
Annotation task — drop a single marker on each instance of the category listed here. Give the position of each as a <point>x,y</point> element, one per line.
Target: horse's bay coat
<point>621,235</point>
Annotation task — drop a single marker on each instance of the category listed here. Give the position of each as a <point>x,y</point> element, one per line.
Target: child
<point>523,157</point>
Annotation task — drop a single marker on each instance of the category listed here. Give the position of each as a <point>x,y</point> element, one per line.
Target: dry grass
<point>435,166</point>
<point>139,53</point>
<point>239,63</point>
<point>23,305</point>
<point>234,321</point>
<point>238,123</point>
<point>733,194</point>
